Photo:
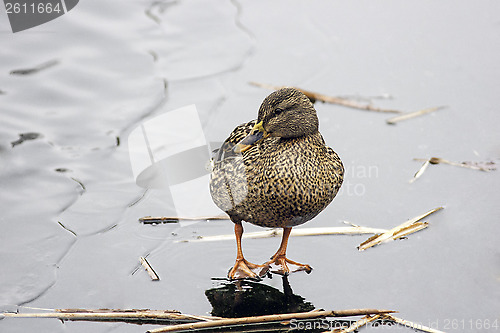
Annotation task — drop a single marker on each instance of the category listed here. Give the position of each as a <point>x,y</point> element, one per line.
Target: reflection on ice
<point>247,298</point>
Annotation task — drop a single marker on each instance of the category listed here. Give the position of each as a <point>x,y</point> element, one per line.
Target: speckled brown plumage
<point>283,180</point>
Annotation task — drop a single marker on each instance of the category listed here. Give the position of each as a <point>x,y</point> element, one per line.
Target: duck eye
<point>278,111</point>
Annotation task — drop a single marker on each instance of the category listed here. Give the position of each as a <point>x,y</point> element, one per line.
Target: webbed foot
<point>280,264</point>
<point>243,269</point>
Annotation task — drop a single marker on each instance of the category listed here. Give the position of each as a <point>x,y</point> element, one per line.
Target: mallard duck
<point>275,172</point>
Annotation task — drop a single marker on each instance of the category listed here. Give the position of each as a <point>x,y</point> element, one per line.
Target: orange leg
<point>285,266</point>
<point>243,269</point>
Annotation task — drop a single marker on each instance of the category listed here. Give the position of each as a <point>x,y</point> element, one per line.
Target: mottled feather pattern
<point>277,183</point>
<point>238,134</point>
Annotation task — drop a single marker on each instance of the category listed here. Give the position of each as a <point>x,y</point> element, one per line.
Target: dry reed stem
<point>487,166</point>
<point>149,269</point>
<point>420,171</point>
<point>468,165</point>
<point>329,99</point>
<point>399,231</point>
<point>107,315</point>
<point>403,232</point>
<point>354,230</point>
<point>176,219</point>
<point>267,319</point>
<point>410,115</point>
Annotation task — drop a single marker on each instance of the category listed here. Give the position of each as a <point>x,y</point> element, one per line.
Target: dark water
<point>72,90</point>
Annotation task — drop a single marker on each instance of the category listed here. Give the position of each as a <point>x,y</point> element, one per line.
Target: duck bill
<point>257,134</point>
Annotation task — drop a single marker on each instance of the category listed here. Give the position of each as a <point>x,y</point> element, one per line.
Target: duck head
<point>285,113</point>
